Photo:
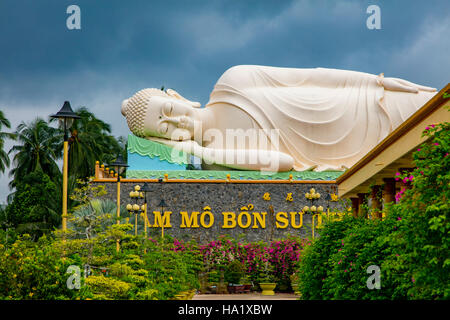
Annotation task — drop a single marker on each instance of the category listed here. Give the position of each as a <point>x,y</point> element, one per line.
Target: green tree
<point>123,145</point>
<point>4,158</point>
<point>35,151</point>
<point>33,209</point>
<point>91,213</point>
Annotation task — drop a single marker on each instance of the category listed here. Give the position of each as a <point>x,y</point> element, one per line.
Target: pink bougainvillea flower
<point>418,149</point>
<point>436,144</point>
<point>427,128</point>
<point>399,218</point>
<point>432,125</point>
<point>397,174</point>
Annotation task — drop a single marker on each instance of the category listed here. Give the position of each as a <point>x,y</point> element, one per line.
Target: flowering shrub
<point>281,255</point>
<point>424,211</point>
<point>411,245</point>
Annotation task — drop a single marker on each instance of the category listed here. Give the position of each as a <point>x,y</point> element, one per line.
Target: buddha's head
<point>163,114</point>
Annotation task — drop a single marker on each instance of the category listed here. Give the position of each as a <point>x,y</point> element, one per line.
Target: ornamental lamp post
<point>328,199</point>
<point>66,117</point>
<point>312,195</point>
<point>135,208</point>
<point>119,166</point>
<point>145,188</point>
<point>162,204</point>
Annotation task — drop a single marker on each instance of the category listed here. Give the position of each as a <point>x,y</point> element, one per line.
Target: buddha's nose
<point>174,120</point>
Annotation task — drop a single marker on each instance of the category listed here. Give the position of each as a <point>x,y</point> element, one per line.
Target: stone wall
<point>228,197</point>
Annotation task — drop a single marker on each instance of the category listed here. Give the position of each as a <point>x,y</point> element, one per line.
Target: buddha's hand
<point>395,84</point>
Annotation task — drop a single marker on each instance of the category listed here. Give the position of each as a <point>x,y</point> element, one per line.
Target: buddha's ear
<point>174,94</point>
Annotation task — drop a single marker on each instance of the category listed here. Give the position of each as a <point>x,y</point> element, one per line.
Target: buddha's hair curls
<point>135,108</point>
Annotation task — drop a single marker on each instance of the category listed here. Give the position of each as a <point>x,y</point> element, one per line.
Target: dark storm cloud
<point>188,44</point>
<point>125,46</point>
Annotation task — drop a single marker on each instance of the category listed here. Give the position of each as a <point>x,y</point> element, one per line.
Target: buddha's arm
<point>395,84</point>
<point>244,159</point>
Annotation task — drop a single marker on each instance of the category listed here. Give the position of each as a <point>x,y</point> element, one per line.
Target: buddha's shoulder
<point>240,69</point>
<point>248,71</point>
<point>250,75</point>
<point>249,68</point>
<point>237,76</point>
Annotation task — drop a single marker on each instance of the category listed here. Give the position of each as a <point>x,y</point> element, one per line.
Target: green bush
<point>234,272</point>
<point>171,271</point>
<point>314,265</point>
<point>424,213</point>
<point>410,246</point>
<point>36,270</point>
<point>108,288</point>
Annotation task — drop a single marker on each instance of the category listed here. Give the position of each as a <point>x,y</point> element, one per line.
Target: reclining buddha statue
<point>279,119</point>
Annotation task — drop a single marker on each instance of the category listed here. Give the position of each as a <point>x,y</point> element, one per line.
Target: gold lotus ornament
<point>266,196</point>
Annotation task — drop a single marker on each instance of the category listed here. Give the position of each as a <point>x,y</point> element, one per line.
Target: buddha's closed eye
<point>167,109</point>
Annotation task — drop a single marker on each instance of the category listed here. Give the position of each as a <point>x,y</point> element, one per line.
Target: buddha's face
<point>169,118</point>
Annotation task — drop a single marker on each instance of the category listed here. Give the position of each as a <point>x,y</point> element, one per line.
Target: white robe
<point>327,118</point>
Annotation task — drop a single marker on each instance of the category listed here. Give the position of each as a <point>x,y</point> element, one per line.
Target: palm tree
<point>4,158</point>
<point>86,219</point>
<point>90,140</point>
<point>36,150</point>
<point>123,145</point>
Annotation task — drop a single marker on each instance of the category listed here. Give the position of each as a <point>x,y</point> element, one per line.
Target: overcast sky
<point>125,46</point>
